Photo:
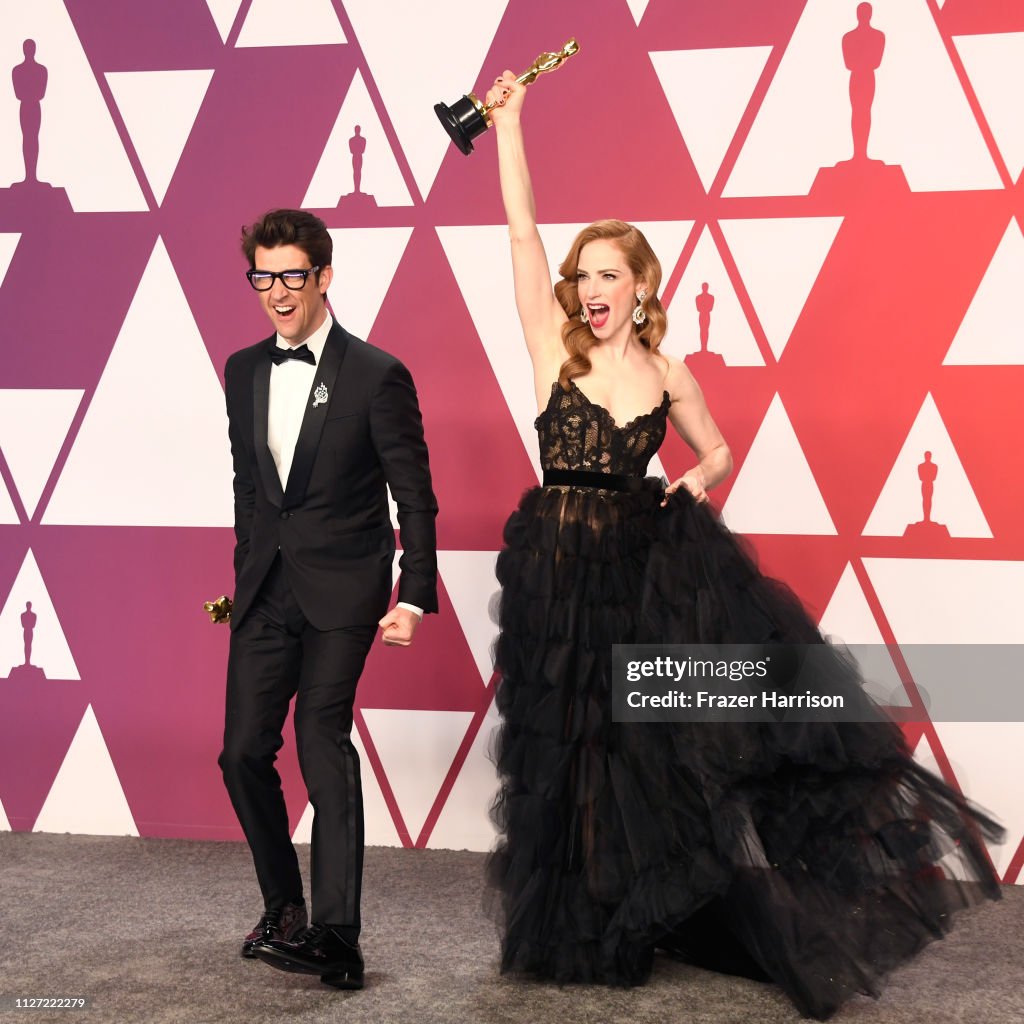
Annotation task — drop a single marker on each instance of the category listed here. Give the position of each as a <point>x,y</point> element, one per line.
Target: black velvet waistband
<point>589,478</point>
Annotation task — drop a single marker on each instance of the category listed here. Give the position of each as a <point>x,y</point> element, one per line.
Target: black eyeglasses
<point>293,280</point>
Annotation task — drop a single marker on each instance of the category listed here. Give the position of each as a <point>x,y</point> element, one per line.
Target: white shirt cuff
<point>410,607</point>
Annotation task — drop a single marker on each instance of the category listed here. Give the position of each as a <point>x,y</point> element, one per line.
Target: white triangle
<point>86,797</point>
<point>950,601</point>
<point>655,468</point>
<point>920,118</point>
<point>995,66</point>
<point>394,46</point>
<point>464,822</point>
<point>757,504</point>
<point>779,285</point>
<point>334,174</point>
<point>416,749</point>
<point>379,826</point>
<point>953,501</point>
<point>985,758</point>
<point>5,825</point>
<point>291,23</point>
<point>152,449</point>
<point>33,426</point>
<point>480,260</point>
<point>470,582</point>
<point>708,91</point>
<point>8,513</point>
<point>159,109</point>
<point>848,616</point>
<point>365,261</point>
<point>730,334</point>
<point>637,8</point>
<point>8,243</point>
<point>50,649</point>
<point>392,509</point>
<point>848,620</point>
<point>224,12</point>
<point>79,148</point>
<point>990,333</point>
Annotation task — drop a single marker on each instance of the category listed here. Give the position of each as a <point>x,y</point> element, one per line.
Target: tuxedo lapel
<point>261,416</point>
<point>317,405</point>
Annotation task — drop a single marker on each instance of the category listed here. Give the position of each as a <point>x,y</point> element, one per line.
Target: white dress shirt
<point>290,385</point>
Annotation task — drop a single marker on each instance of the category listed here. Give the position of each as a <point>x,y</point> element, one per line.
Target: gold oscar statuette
<point>219,610</point>
<point>467,118</point>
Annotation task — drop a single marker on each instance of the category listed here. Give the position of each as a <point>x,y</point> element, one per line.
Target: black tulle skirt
<point>815,855</point>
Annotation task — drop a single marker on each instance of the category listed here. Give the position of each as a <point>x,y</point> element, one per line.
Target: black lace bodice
<point>577,434</point>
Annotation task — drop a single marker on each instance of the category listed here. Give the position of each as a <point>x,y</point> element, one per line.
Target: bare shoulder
<point>680,384</point>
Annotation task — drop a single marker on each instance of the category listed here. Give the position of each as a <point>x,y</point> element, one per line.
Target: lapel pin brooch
<point>320,395</point>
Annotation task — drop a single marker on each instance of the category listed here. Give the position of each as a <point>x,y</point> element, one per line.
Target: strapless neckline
<point>662,406</point>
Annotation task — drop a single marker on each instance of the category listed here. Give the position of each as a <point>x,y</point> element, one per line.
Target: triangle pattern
<point>757,504</point>
<point>995,66</point>
<point>778,288</point>
<point>291,23</point>
<point>953,504</point>
<point>224,13</point>
<point>416,749</point>
<point>159,109</point>
<point>920,121</point>
<point>334,175</point>
<point>463,823</point>
<point>990,332</point>
<point>33,426</point>
<point>724,80</point>
<point>977,753</point>
<point>387,42</point>
<point>5,825</point>
<point>848,619</point>
<point>379,826</point>
<point>365,262</point>
<point>637,9</point>
<point>8,243</point>
<point>50,650</point>
<point>86,797</point>
<point>8,513</point>
<point>949,601</point>
<point>471,584</point>
<point>173,462</point>
<point>81,151</point>
<point>729,334</point>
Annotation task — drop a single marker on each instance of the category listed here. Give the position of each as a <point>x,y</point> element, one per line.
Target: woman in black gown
<point>818,856</point>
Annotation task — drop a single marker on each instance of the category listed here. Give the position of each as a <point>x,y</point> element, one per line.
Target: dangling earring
<point>639,316</point>
<point>583,315</point>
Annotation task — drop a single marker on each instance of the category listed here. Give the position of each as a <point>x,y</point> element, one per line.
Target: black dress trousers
<point>276,654</point>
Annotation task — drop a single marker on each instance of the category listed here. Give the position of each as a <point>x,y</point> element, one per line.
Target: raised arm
<point>539,312</point>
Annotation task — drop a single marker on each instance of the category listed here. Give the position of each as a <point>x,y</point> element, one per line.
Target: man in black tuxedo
<point>321,424</point>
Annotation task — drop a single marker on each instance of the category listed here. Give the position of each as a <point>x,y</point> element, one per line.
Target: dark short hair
<point>289,227</point>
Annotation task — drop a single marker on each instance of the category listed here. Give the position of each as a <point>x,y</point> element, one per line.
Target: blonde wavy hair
<point>577,335</point>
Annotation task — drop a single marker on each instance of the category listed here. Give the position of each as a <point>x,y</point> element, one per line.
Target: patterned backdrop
<point>865,311</point>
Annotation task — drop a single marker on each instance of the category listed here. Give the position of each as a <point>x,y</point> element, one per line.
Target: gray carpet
<point>149,931</point>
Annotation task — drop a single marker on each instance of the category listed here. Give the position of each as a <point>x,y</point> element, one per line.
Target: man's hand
<point>398,627</point>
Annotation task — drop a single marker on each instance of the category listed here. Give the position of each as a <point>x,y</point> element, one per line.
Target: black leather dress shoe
<point>318,950</point>
<point>282,923</point>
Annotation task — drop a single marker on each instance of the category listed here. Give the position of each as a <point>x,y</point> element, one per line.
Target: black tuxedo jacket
<point>331,524</point>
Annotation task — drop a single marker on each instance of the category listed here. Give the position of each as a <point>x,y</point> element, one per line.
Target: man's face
<point>294,314</point>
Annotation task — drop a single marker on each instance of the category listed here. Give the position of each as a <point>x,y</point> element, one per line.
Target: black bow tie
<point>302,353</point>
